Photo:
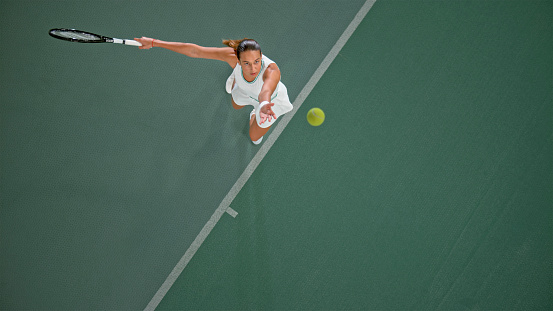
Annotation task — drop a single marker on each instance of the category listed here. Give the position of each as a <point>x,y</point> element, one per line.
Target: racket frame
<point>102,39</point>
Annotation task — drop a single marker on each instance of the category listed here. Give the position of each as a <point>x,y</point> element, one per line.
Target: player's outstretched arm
<point>225,54</point>
<point>270,82</point>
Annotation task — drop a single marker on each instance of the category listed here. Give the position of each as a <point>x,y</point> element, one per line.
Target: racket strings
<point>76,35</point>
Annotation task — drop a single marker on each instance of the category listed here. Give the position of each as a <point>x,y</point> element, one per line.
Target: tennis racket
<point>87,37</point>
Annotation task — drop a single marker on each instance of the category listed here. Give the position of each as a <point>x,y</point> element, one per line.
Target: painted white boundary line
<point>225,204</point>
<point>232,212</point>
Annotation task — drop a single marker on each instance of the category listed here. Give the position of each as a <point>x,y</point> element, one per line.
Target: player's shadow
<point>227,131</point>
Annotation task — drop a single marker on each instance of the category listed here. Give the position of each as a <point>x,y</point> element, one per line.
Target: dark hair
<point>243,45</point>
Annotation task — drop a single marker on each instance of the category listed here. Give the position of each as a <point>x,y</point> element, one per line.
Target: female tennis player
<point>254,81</point>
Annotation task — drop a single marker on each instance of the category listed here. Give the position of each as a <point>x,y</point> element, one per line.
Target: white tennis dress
<point>246,93</point>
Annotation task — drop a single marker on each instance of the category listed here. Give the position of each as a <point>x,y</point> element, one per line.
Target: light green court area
<point>428,187</point>
<point>113,159</point>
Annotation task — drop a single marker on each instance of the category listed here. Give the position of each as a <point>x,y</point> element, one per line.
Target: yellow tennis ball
<point>315,116</point>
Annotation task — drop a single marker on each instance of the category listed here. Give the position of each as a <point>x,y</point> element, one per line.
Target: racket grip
<point>126,42</point>
<point>132,42</point>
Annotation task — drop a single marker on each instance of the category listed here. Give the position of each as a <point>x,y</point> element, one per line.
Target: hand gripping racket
<point>87,37</point>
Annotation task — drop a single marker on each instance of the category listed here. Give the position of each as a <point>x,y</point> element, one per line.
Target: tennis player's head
<point>248,53</point>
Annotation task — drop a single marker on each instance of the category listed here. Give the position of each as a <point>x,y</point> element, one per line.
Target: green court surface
<point>428,187</point>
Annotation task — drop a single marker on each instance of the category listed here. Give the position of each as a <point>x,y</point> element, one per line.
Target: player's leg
<point>256,132</point>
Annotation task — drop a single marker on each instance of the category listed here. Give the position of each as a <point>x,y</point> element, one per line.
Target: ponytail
<point>233,43</point>
<point>240,46</point>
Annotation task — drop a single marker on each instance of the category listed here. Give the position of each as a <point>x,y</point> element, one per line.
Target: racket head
<point>74,35</point>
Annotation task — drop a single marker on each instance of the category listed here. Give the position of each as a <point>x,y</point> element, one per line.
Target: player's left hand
<point>266,113</point>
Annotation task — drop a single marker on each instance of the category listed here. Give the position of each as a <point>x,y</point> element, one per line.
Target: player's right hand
<point>146,43</point>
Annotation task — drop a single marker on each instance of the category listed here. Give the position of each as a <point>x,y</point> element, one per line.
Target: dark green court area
<point>428,187</point>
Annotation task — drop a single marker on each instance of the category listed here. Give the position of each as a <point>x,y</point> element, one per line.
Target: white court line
<point>225,204</point>
<point>232,212</point>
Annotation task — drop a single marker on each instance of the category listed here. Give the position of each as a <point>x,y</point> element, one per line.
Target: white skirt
<point>279,98</point>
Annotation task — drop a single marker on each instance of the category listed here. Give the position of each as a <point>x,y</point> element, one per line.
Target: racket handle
<point>127,42</point>
<point>132,42</point>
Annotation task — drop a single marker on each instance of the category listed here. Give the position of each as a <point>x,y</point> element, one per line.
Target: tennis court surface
<point>428,187</point>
